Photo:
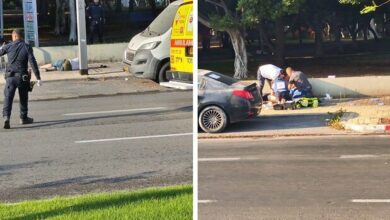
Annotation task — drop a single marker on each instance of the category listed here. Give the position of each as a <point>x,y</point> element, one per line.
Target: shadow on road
<point>280,122</point>
<point>42,124</point>
<point>8,167</point>
<point>185,109</point>
<point>85,180</point>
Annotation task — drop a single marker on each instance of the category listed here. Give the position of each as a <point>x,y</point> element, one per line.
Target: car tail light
<point>243,94</point>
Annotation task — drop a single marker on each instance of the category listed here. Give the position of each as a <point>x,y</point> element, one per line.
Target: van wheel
<point>213,119</point>
<point>163,76</point>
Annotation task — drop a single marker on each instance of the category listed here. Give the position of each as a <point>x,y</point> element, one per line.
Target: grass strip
<point>174,202</point>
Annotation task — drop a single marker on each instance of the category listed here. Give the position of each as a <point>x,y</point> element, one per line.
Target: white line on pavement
<point>370,200</point>
<point>357,156</point>
<point>133,138</point>
<point>116,111</point>
<point>218,159</point>
<point>206,201</point>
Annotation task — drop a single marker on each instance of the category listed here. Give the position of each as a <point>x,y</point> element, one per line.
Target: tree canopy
<point>254,11</point>
<point>369,6</point>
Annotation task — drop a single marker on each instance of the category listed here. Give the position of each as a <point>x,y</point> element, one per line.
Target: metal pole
<point>2,18</point>
<point>35,14</point>
<point>82,37</point>
<point>2,59</point>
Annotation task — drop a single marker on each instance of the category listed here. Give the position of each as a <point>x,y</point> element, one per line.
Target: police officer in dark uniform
<point>17,77</point>
<point>95,13</point>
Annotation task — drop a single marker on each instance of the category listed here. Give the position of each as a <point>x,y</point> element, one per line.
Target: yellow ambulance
<point>181,49</point>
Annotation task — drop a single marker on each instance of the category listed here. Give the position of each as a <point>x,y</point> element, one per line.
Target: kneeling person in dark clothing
<point>299,85</point>
<point>17,77</point>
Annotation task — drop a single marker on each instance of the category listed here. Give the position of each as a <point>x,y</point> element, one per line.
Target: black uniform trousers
<point>95,28</point>
<point>13,83</point>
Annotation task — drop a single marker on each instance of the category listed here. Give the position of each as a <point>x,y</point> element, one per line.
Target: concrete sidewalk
<point>357,110</point>
<point>368,115</point>
<point>113,70</point>
<point>346,87</point>
<point>108,81</point>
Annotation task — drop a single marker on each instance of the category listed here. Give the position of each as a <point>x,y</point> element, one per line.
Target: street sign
<point>30,22</point>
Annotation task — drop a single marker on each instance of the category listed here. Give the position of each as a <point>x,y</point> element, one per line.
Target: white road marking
<point>357,156</point>
<point>206,201</point>
<point>219,159</point>
<point>133,138</point>
<point>116,111</point>
<point>370,200</point>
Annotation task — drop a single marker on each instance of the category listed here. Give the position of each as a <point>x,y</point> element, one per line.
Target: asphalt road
<point>93,87</point>
<point>295,178</point>
<point>97,144</point>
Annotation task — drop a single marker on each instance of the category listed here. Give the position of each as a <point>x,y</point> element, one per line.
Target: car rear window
<point>221,78</point>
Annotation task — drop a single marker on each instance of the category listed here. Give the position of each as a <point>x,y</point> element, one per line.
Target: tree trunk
<point>265,39</point>
<point>59,16</point>
<point>152,4</point>
<point>280,37</point>
<point>370,28</point>
<point>72,14</point>
<point>225,40</point>
<point>328,29</point>
<point>241,58</point>
<point>43,10</point>
<point>118,5</point>
<point>337,36</point>
<point>352,32</point>
<point>318,36</point>
<point>365,33</point>
<point>300,35</point>
<point>261,41</point>
<point>131,5</point>
<point>373,33</point>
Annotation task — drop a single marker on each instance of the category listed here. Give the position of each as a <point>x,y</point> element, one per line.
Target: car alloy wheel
<point>212,119</point>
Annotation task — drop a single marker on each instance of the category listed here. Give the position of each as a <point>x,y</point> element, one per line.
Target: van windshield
<point>162,23</point>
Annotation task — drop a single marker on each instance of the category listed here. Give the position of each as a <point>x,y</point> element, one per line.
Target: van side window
<point>147,4</point>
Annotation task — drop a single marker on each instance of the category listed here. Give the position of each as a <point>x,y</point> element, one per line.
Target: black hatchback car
<point>224,100</point>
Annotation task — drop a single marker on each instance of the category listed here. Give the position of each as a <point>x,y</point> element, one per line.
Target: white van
<point>147,54</point>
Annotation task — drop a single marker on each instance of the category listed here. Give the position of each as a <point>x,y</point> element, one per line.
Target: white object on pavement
<point>39,83</point>
<point>75,63</point>
<point>268,105</point>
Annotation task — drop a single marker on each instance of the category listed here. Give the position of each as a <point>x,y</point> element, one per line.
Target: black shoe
<point>27,120</point>
<point>7,124</point>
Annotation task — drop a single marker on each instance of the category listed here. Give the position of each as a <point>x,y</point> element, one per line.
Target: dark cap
<point>283,74</point>
<point>18,32</point>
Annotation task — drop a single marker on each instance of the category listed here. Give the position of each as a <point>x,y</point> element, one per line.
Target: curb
<point>368,128</point>
<point>87,78</point>
<point>216,137</point>
<point>206,137</point>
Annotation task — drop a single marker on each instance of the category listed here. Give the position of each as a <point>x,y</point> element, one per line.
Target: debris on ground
<point>335,120</point>
<point>328,97</point>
